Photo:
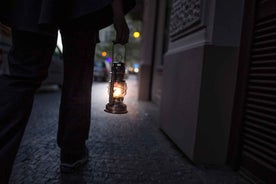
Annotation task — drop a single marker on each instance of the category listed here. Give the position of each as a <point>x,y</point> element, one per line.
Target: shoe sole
<point>69,168</point>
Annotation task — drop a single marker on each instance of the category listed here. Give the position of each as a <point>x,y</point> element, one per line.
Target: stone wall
<point>199,77</point>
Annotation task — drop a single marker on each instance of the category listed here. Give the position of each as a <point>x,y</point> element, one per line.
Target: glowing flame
<point>119,90</point>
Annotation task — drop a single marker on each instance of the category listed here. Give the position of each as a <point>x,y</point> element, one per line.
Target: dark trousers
<point>29,59</point>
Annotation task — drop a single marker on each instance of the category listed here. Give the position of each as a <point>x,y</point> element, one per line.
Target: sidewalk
<point>127,148</point>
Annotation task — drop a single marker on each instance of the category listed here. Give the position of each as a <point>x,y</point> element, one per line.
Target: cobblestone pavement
<point>124,149</point>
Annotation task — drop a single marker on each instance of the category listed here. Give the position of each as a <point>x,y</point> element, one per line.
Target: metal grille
<point>259,136</point>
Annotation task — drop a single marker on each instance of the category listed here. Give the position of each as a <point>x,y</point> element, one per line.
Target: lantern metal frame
<point>116,104</point>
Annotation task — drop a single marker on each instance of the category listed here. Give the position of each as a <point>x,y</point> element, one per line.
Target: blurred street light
<point>104,53</point>
<point>136,34</point>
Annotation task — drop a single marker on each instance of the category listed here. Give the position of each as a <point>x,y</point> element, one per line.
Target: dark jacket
<point>32,15</point>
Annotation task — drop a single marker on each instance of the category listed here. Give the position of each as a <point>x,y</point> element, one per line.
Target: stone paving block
<point>124,149</point>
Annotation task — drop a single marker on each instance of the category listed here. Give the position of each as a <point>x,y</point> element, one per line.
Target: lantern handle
<point>124,59</point>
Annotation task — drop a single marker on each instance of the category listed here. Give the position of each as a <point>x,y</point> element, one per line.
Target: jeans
<point>29,59</point>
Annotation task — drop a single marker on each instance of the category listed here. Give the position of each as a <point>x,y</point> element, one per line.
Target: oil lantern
<point>117,88</point>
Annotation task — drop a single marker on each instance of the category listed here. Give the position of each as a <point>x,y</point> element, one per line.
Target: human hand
<point>120,25</point>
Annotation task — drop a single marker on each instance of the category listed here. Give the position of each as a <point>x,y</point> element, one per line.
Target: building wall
<point>199,75</point>
<point>159,48</point>
<point>147,50</point>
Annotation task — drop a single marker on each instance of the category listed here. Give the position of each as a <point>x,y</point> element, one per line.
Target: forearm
<point>120,25</point>
<point>117,6</point>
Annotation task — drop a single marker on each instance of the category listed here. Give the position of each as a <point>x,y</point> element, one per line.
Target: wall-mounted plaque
<point>185,17</point>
